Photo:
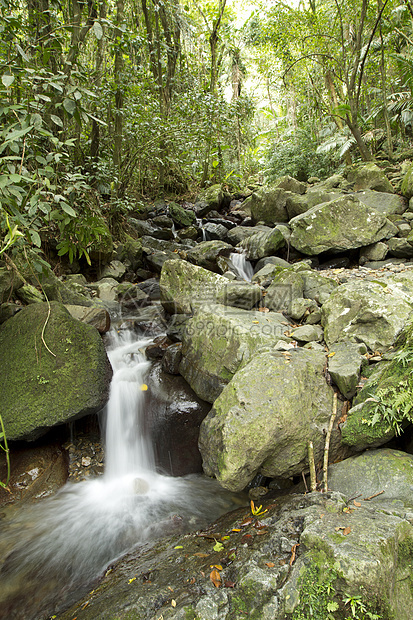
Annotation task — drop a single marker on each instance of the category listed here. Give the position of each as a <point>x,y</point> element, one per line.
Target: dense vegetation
<point>106,103</point>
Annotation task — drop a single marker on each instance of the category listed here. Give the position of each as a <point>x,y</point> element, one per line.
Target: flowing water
<point>53,551</point>
<point>241,266</point>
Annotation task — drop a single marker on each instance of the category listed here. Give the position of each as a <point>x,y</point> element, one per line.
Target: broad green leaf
<point>98,30</point>
<point>56,86</point>
<point>18,133</point>
<point>22,53</point>
<point>7,80</point>
<point>56,120</point>
<point>70,106</point>
<point>35,238</point>
<point>68,209</point>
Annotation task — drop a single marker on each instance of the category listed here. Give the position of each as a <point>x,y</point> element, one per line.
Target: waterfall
<point>241,266</point>
<point>54,549</point>
<point>201,226</point>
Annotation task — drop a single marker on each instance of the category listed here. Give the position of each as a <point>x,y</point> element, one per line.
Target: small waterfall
<point>241,266</point>
<point>53,550</point>
<point>201,226</point>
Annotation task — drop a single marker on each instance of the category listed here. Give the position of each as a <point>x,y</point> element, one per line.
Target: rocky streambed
<point>318,342</point>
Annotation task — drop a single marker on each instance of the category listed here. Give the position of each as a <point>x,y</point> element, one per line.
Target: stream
<point>53,552</point>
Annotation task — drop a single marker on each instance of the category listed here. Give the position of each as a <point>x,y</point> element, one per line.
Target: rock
<point>219,339</point>
<point>151,288</point>
<point>363,311</point>
<point>210,199</point>
<point>215,231</point>
<point>43,387</point>
<point>10,281</point>
<point>29,294</point>
<point>115,269</point>
<point>373,252</point>
<point>374,471</point>
<point>131,253</point>
<point>131,296</point>
<point>262,244</point>
<point>239,233</point>
<point>317,286</point>
<point>239,295</point>
<point>407,183</point>
<point>345,361</point>
<point>385,203</point>
<point>357,433</point>
<point>268,205</point>
<point>326,227</point>
<point>297,204</point>
<point>401,248</point>
<point>98,317</point>
<point>156,260</point>
<point>185,287</point>
<point>265,416</point>
<point>172,358</point>
<point>369,176</point>
<point>271,260</point>
<point>285,287</point>
<point>182,217</point>
<point>266,274</point>
<point>107,289</point>
<point>174,417</point>
<point>290,185</point>
<point>206,254</point>
<point>191,232</point>
<point>56,290</point>
<point>301,309</point>
<point>308,333</point>
<point>163,221</point>
<point>8,310</point>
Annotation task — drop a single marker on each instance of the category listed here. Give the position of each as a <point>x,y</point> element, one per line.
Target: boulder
<point>64,292</point>
<point>308,333</point>
<point>268,205</point>
<point>326,227</point>
<point>407,183</point>
<point>363,311</point>
<point>115,269</point>
<point>266,274</point>
<point>174,415</point>
<point>345,361</point>
<point>262,243</point>
<point>182,217</point>
<point>297,204</point>
<point>369,176</point>
<point>54,369</point>
<point>385,203</point>
<point>264,418</point>
<point>317,286</point>
<point>239,233</point>
<point>215,231</point>
<point>29,294</point>
<point>239,295</point>
<point>401,248</point>
<point>290,185</point>
<point>206,254</point>
<point>213,198</point>
<point>131,253</point>
<point>284,289</point>
<point>373,252</point>
<point>185,287</point>
<point>98,317</point>
<point>217,340</point>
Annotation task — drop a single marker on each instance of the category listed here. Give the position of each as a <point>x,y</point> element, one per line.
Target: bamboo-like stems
<point>313,478</point>
<point>327,443</point>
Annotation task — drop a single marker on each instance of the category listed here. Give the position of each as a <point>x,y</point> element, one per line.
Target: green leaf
<point>67,209</point>
<point>35,238</point>
<point>56,120</point>
<point>218,546</point>
<point>70,106</point>
<point>98,30</point>
<point>17,133</point>
<point>22,53</point>
<point>7,80</point>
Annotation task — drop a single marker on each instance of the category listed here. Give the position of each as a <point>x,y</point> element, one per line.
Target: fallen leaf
<point>217,566</point>
<point>171,589</point>
<point>173,603</point>
<point>256,322</point>
<point>293,553</point>
<point>261,532</point>
<point>270,564</point>
<point>229,584</point>
<point>218,546</point>
<point>263,309</point>
<point>346,531</point>
<point>331,354</point>
<point>246,539</point>
<point>224,537</point>
<point>202,555</point>
<point>215,577</point>
<point>192,580</point>
<point>144,387</point>
<point>133,579</point>
<point>236,529</point>
<point>85,605</point>
<point>358,504</point>
<point>178,547</point>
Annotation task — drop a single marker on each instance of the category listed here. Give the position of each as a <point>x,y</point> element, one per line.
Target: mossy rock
<point>54,369</point>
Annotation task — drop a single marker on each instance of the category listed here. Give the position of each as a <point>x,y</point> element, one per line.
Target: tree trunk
<point>118,67</point>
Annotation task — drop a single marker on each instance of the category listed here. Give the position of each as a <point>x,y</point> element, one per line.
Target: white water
<point>241,266</point>
<point>55,548</point>
<point>201,226</point>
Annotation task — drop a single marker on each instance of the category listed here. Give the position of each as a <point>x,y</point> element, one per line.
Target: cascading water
<point>54,550</point>
<point>242,266</point>
<point>201,226</point>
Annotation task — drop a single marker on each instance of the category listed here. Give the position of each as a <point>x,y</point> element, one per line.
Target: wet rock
<point>115,269</point>
<point>182,217</point>
<point>262,244</point>
<point>206,254</point>
<point>52,379</point>
<point>98,317</point>
<point>172,358</point>
<point>284,393</point>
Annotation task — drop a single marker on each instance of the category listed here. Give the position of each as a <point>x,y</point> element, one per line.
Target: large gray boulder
<point>369,312</point>
<point>339,225</point>
<point>268,205</point>
<point>297,204</point>
<point>262,243</point>
<point>207,254</point>
<point>54,369</point>
<point>265,417</point>
<point>345,361</point>
<point>218,339</point>
<point>385,203</point>
<point>181,217</point>
<point>185,287</point>
<point>369,176</point>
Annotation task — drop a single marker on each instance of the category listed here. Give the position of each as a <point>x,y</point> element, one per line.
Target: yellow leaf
<point>331,354</point>
<point>257,322</point>
<point>217,566</point>
<point>346,531</point>
<point>178,547</point>
<point>144,387</point>
<point>173,603</point>
<point>358,504</point>
<point>215,577</point>
<point>133,579</point>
